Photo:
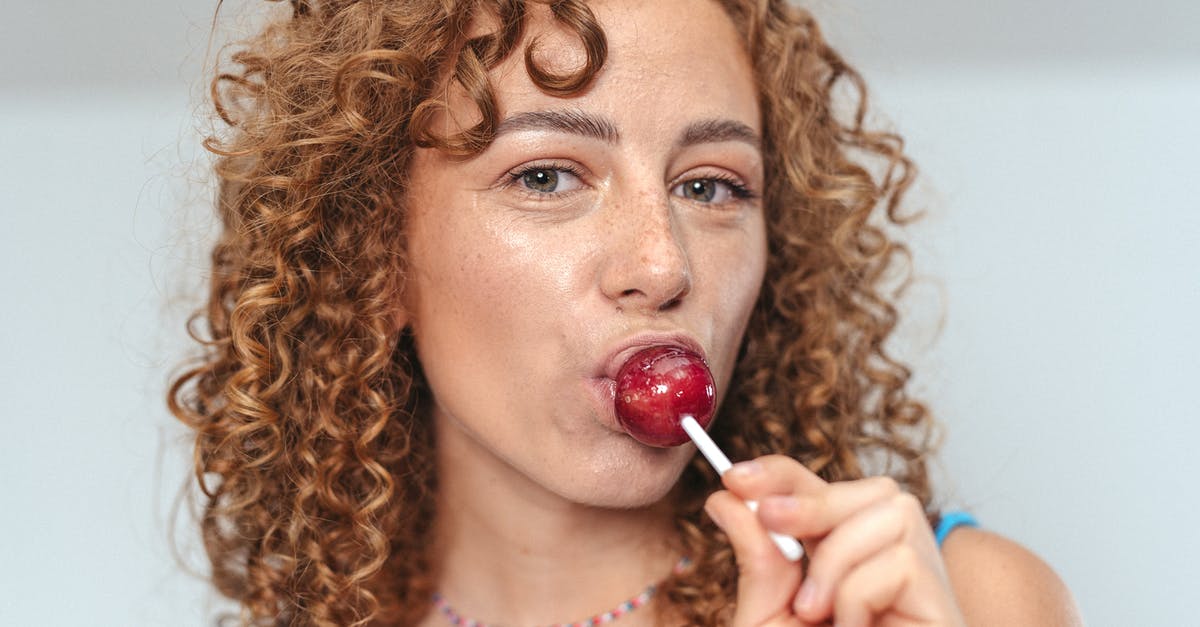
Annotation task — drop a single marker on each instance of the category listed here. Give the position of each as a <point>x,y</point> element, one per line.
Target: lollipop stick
<point>788,545</point>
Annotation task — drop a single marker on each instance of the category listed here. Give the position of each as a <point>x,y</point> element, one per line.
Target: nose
<point>646,263</point>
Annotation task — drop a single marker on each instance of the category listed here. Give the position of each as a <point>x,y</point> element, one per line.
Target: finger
<point>860,537</point>
<point>766,581</point>
<point>816,513</point>
<point>895,581</point>
<point>771,474</point>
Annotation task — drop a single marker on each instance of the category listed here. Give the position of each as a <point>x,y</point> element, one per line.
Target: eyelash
<point>737,189</point>
<point>515,176</point>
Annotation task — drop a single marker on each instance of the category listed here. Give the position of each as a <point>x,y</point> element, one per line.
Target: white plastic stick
<point>788,545</point>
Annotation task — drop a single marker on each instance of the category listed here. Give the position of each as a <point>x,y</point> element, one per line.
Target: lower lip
<point>604,393</point>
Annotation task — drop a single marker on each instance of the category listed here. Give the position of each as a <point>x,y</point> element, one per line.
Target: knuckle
<point>906,557</point>
<point>905,512</point>
<point>886,485</point>
<point>776,462</point>
<point>906,503</point>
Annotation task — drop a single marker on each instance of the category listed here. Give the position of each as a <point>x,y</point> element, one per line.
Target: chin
<point>626,498</point>
<point>621,499</point>
<point>629,481</point>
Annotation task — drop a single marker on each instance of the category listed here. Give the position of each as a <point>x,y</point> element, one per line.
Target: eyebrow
<point>577,122</point>
<point>719,130</point>
<point>568,121</point>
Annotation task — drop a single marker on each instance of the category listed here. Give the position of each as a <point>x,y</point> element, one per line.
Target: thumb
<point>767,582</point>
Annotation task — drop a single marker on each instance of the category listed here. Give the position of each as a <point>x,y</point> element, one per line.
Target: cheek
<point>461,311</point>
<point>461,276</point>
<point>487,293</point>
<point>735,274</point>
<point>736,267</point>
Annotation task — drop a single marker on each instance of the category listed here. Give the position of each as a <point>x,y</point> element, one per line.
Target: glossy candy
<point>659,385</point>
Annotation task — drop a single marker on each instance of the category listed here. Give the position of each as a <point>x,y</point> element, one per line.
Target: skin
<point>517,297</point>
<point>535,261</point>
<point>873,558</point>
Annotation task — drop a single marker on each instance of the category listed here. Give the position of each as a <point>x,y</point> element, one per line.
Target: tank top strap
<point>950,521</point>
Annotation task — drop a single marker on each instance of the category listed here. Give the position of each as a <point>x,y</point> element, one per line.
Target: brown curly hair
<point>309,448</point>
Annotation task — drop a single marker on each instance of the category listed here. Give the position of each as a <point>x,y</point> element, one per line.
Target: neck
<point>511,552</point>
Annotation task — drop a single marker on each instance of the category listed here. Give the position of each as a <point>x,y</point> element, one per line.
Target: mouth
<point>612,362</point>
<point>603,384</point>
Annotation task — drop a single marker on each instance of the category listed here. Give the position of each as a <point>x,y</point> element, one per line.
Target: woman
<point>445,226</point>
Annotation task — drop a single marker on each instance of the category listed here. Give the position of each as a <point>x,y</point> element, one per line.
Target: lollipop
<point>656,388</point>
<point>664,398</point>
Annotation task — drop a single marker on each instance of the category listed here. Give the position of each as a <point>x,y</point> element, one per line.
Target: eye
<point>540,180</point>
<point>711,190</point>
<point>547,179</point>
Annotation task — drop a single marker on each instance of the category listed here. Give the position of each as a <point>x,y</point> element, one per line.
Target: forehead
<point>667,60</point>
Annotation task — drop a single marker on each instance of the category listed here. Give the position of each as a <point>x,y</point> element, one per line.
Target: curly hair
<point>310,450</point>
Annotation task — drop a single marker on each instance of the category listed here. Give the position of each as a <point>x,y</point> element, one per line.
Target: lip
<point>612,362</point>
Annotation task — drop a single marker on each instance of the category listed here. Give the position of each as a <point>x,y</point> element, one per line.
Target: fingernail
<point>746,469</point>
<point>782,503</point>
<point>806,600</point>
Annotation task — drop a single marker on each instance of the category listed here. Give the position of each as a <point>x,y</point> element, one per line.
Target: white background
<point>1060,259</point>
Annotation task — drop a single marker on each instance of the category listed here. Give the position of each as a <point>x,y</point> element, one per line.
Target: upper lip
<point>626,348</point>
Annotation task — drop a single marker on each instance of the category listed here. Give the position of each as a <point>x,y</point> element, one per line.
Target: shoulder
<point>999,582</point>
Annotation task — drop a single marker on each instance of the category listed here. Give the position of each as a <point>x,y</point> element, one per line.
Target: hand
<point>872,556</point>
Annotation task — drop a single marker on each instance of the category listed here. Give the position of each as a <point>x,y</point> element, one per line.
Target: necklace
<point>624,608</point>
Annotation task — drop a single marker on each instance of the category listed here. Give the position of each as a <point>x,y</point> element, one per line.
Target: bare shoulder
<point>999,582</point>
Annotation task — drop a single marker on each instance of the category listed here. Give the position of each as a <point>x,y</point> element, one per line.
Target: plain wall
<point>1052,322</point>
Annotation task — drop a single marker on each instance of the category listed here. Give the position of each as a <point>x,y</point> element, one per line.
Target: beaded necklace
<point>624,608</point>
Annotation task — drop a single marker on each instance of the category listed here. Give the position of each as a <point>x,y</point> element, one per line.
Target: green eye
<point>712,190</point>
<point>703,190</point>
<point>541,180</point>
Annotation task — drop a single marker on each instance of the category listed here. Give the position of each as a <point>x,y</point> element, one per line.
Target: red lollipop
<point>659,385</point>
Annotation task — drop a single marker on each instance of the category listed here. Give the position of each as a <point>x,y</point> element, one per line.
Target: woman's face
<point>593,225</point>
